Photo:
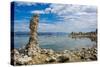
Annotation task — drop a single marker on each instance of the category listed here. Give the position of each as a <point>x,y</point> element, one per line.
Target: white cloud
<point>75,17</point>
<point>48,10</point>
<point>72,18</point>
<point>38,12</point>
<point>75,26</point>
<point>62,9</point>
<point>44,27</point>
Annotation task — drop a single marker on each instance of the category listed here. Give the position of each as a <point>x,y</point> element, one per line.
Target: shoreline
<point>48,56</point>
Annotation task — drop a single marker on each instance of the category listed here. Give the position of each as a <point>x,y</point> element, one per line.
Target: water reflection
<point>92,38</point>
<point>57,43</point>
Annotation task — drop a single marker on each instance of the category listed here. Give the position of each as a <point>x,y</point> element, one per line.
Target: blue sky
<point>55,17</point>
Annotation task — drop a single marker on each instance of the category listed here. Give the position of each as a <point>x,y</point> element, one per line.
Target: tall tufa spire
<point>33,46</point>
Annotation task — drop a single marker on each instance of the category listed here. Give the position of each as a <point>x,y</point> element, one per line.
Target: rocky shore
<point>33,54</point>
<point>49,56</point>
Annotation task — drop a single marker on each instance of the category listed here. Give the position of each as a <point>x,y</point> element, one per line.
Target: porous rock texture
<point>33,46</point>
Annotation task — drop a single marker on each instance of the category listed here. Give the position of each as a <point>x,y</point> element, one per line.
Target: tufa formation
<point>33,46</point>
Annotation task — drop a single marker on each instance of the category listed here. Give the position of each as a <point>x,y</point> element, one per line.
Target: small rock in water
<point>65,51</point>
<point>50,51</point>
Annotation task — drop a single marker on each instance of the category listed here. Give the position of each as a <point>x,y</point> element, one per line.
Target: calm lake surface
<point>55,42</point>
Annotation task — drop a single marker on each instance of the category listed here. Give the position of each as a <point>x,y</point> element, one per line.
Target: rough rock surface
<point>33,46</point>
<point>18,58</point>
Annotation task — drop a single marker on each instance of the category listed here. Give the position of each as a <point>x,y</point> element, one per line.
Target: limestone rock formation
<point>14,56</point>
<point>33,46</point>
<point>19,59</point>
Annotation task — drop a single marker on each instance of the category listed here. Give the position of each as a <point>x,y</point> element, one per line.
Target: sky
<point>55,17</point>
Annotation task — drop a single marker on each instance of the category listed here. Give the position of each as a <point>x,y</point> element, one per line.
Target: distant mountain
<point>52,33</point>
<point>21,33</point>
<point>41,33</point>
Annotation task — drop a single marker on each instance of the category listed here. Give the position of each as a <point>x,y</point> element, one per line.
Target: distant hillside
<point>41,33</point>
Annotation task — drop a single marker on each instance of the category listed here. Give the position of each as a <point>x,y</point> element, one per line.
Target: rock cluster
<point>47,51</point>
<point>19,59</point>
<point>50,56</point>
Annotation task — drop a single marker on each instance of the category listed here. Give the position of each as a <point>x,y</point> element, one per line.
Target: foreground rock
<point>19,59</point>
<point>50,56</point>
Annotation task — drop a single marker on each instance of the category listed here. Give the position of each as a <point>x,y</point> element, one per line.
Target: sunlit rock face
<point>33,46</point>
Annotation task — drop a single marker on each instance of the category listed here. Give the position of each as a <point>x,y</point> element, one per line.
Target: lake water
<point>55,42</point>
